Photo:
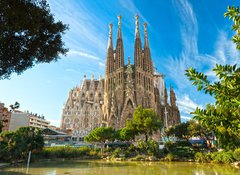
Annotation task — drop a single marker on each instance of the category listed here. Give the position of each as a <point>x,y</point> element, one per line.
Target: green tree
<point>188,129</point>
<point>101,135</point>
<point>233,14</point>
<point>126,134</point>
<point>180,131</point>
<point>28,35</point>
<point>198,130</point>
<point>223,117</point>
<point>145,121</point>
<point>16,145</point>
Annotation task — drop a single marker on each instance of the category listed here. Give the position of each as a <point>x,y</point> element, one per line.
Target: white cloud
<point>83,54</point>
<point>186,118</point>
<point>73,70</point>
<point>130,6</point>
<point>101,64</point>
<point>83,24</point>
<point>186,105</point>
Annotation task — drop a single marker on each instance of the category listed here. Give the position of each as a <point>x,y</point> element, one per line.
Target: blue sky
<point>182,33</point>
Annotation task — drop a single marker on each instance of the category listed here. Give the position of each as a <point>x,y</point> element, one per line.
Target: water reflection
<point>120,168</point>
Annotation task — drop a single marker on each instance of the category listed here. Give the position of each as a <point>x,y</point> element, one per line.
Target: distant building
<point>110,102</point>
<point>5,117</point>
<point>21,119</point>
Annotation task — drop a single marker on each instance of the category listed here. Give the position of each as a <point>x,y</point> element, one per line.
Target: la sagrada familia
<point>112,100</point>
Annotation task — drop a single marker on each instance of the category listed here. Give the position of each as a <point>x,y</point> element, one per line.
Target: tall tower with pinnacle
<point>112,100</point>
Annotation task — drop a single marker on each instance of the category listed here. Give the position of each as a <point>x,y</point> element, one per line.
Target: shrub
<point>138,158</point>
<point>202,157</point>
<point>236,154</point>
<point>169,157</point>
<point>66,152</point>
<point>223,157</point>
<point>116,152</point>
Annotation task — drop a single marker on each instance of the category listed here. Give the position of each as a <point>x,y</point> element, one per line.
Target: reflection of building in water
<point>125,87</point>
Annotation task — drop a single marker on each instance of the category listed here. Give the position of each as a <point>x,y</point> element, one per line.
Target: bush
<point>170,146</point>
<point>116,152</point>
<point>203,158</point>
<point>67,152</point>
<point>170,157</point>
<point>236,154</point>
<point>223,157</point>
<point>138,158</point>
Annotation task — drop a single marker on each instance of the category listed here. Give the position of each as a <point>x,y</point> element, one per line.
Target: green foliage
<point>181,150</point>
<point>150,147</point>
<point>203,157</point>
<point>138,158</point>
<point>126,134</point>
<point>145,121</point>
<point>170,157</point>
<point>222,117</point>
<point>101,134</point>
<point>234,14</point>
<point>188,129</point>
<point>236,154</point>
<point>116,152</point>
<point>16,145</point>
<point>223,157</point>
<point>28,35</point>
<point>68,152</point>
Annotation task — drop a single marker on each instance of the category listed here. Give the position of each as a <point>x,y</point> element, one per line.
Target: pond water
<point>120,168</point>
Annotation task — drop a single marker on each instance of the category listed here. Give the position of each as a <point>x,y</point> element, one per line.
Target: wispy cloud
<point>81,21</point>
<point>224,51</point>
<point>186,105</point>
<point>130,6</point>
<point>83,54</point>
<point>101,64</point>
<point>73,71</point>
<point>186,118</point>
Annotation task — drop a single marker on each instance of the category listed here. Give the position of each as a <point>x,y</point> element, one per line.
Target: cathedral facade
<point>125,86</point>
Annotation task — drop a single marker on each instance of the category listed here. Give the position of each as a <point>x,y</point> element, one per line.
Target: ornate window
<point>76,120</point>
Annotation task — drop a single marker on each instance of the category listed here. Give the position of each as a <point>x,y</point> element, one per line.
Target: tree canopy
<point>188,129</point>
<point>28,35</point>
<point>145,121</point>
<point>101,134</point>
<point>16,145</point>
<point>223,117</point>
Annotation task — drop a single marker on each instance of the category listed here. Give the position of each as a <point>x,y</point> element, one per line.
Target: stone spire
<point>110,42</point>
<point>119,27</point>
<point>92,83</point>
<point>172,97</point>
<point>137,34</point>
<point>119,57</point>
<point>109,59</point>
<point>147,54</point>
<point>146,44</point>
<point>138,46</point>
<point>165,96</point>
